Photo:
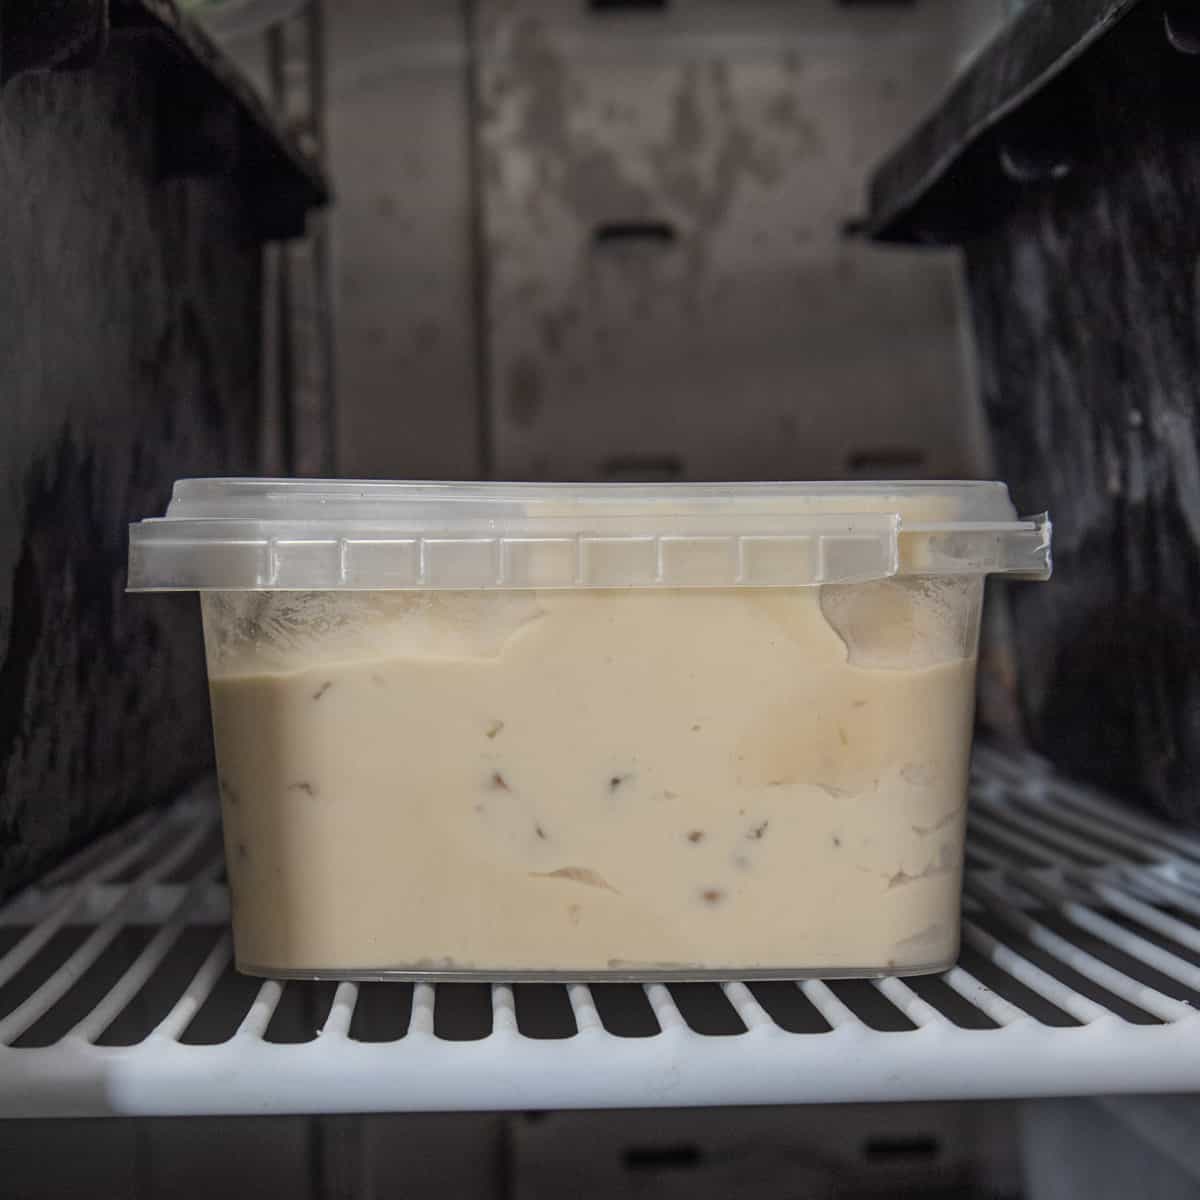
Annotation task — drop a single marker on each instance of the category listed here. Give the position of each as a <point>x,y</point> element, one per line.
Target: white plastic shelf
<point>1080,970</point>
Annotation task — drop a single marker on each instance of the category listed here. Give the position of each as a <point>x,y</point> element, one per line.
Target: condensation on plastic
<point>314,535</point>
<point>286,631</point>
<point>889,624</point>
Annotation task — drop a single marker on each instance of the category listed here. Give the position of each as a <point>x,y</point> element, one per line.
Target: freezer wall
<point>129,355</point>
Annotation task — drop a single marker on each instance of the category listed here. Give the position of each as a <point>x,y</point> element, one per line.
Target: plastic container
<point>590,731</point>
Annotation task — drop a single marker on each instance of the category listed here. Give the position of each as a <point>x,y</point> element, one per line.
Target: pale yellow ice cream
<point>583,781</point>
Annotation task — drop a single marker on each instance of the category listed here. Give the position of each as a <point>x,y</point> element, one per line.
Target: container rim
<point>317,534</point>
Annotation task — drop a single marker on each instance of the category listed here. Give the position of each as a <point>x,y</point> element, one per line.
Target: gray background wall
<point>478,149</point>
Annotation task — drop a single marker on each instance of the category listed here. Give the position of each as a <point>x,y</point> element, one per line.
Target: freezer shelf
<point>1080,970</point>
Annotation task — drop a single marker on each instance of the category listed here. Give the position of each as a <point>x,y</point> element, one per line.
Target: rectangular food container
<point>590,731</point>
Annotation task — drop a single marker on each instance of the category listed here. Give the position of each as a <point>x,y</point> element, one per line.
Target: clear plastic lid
<point>312,535</point>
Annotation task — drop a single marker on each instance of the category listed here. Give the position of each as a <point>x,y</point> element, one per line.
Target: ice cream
<point>757,780</point>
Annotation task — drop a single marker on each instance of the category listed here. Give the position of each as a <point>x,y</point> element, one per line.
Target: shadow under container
<point>547,731</point>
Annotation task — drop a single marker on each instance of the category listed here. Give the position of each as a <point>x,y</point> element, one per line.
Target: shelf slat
<point>1102,874</point>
